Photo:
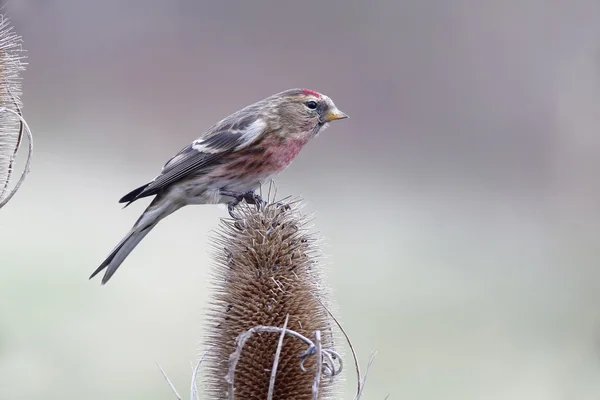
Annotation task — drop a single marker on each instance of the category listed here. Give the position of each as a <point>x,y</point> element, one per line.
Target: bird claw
<point>230,208</point>
<point>253,198</point>
<point>250,197</point>
<point>284,207</point>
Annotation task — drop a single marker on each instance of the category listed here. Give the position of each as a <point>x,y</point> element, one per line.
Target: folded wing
<point>204,154</point>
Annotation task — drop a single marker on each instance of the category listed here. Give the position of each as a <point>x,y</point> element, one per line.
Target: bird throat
<point>281,154</point>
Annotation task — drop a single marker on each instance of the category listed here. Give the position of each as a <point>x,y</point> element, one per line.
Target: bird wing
<point>227,136</point>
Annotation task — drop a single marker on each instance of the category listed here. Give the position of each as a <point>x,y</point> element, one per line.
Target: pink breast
<point>282,154</point>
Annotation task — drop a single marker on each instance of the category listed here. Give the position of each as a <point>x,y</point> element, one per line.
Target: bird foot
<point>284,207</point>
<point>250,197</point>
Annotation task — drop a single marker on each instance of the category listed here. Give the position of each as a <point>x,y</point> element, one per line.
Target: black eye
<point>311,104</point>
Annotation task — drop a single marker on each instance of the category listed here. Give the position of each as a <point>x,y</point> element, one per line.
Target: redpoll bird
<point>229,161</point>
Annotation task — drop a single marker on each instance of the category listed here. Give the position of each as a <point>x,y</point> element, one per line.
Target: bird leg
<point>250,197</point>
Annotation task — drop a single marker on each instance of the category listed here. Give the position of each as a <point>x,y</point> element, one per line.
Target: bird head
<point>304,111</point>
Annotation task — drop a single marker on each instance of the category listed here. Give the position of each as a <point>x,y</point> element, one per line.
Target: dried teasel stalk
<point>12,124</point>
<point>269,335</point>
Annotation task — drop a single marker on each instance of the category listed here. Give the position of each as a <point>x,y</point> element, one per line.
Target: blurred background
<point>460,203</point>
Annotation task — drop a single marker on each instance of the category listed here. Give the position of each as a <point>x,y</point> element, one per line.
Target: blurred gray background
<point>460,203</point>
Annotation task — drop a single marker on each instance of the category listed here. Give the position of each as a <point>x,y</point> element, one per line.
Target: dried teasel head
<point>267,276</point>
<point>11,122</point>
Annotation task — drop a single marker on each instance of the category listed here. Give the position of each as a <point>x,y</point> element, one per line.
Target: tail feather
<point>133,195</point>
<point>118,255</point>
<point>159,208</point>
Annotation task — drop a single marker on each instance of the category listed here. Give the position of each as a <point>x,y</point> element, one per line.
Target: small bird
<point>229,161</point>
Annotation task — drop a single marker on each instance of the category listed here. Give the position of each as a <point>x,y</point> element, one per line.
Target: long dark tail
<point>157,210</point>
<point>120,253</point>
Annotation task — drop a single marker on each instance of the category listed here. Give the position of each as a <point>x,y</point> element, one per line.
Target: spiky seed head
<point>11,65</point>
<point>266,268</point>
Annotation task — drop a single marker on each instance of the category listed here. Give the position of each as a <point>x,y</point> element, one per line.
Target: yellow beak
<point>334,114</point>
